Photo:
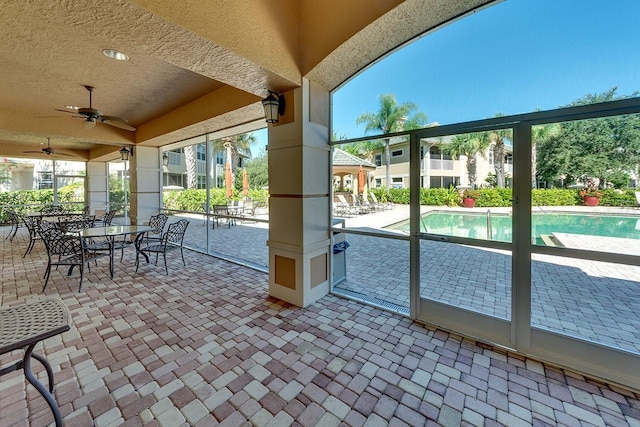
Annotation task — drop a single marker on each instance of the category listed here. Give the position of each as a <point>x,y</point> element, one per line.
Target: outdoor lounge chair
<point>637,193</point>
<point>384,205</point>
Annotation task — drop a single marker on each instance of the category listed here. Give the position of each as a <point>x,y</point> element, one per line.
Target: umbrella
<point>245,183</point>
<point>227,178</point>
<point>360,180</point>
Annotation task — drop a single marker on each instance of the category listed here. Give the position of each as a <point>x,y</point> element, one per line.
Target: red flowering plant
<point>590,189</point>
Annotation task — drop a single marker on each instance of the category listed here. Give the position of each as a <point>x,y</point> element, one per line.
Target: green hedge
<point>33,200</point>
<point>192,200</point>
<point>501,197</point>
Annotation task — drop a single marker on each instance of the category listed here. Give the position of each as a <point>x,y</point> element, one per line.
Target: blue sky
<point>514,57</point>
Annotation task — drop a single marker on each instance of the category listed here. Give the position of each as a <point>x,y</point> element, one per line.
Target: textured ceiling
<point>195,66</point>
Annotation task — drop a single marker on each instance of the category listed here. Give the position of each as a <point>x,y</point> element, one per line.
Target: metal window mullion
<point>207,184</point>
<point>414,226</point>
<point>521,253</point>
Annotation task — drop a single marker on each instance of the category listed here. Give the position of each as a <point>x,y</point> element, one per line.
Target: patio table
<point>112,231</point>
<point>22,328</point>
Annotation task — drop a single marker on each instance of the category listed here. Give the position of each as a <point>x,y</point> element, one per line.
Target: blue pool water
<point>475,225</point>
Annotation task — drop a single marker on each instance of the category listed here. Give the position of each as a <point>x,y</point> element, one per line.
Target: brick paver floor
<point>206,345</point>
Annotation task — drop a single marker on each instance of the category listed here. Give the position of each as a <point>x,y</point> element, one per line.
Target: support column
<point>299,241</point>
<point>97,187</point>
<point>144,174</point>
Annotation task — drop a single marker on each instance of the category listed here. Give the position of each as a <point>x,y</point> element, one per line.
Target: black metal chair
<point>66,249</point>
<point>170,240</point>
<point>105,220</point>
<point>222,211</point>
<point>157,222</point>
<point>14,220</point>
<point>52,210</point>
<point>31,225</point>
<point>73,223</point>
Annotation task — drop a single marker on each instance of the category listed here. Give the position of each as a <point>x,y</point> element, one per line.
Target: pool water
<point>475,225</point>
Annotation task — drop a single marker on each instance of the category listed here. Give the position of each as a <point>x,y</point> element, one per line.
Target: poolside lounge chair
<point>385,205</point>
<point>638,198</point>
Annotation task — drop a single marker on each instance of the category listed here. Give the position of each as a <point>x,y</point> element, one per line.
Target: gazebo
<point>347,164</point>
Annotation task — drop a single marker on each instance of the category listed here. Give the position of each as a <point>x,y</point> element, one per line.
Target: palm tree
<point>392,117</point>
<point>190,161</point>
<point>232,145</point>
<point>468,145</point>
<point>540,133</point>
<point>497,138</point>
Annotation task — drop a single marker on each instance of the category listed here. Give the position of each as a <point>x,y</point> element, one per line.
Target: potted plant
<point>590,195</point>
<point>469,198</point>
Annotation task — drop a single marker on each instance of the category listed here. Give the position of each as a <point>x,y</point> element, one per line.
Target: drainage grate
<point>376,302</point>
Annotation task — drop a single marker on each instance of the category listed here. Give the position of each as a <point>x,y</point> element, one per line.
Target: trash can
<point>339,258</point>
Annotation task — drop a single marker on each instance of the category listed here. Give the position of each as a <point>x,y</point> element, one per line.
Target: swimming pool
<point>476,225</point>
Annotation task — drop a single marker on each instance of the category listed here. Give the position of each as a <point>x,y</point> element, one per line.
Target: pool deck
<point>599,243</point>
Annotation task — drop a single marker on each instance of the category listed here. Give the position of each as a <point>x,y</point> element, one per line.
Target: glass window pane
<point>581,196</point>
<point>594,301</point>
<point>474,278</point>
<point>373,269</point>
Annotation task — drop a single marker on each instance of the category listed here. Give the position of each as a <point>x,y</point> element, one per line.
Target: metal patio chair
<point>66,249</point>
<point>170,240</point>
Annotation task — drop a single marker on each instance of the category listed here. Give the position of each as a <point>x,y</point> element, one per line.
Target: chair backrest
<point>204,207</point>
<point>175,232</point>
<point>58,242</point>
<point>222,209</point>
<point>12,216</point>
<point>70,223</point>
<point>108,217</point>
<point>86,210</point>
<point>342,199</point>
<point>31,223</point>
<point>51,209</point>
<point>374,198</point>
<point>157,222</point>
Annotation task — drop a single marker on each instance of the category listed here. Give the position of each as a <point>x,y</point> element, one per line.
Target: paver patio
<point>207,345</point>
<point>591,300</point>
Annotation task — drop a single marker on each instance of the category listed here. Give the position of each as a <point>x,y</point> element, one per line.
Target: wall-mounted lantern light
<point>165,160</point>
<point>126,152</point>
<point>273,107</point>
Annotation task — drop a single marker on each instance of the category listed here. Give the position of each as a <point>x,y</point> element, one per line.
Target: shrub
<point>555,197</point>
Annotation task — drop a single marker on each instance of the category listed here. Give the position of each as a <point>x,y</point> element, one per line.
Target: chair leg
<point>182,255</point>
<point>47,273</point>
<point>13,236</point>
<point>81,276</point>
<point>29,247</point>
<point>164,256</point>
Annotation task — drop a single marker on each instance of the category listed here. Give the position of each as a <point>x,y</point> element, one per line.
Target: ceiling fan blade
<point>65,111</point>
<point>116,122</point>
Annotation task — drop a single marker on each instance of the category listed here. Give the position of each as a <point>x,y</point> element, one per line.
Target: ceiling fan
<point>91,115</point>
<point>47,150</point>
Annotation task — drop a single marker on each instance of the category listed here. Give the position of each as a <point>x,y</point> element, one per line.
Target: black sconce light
<point>165,160</point>
<point>273,107</point>
<point>126,152</point>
